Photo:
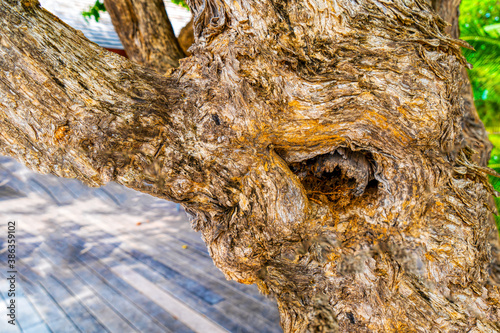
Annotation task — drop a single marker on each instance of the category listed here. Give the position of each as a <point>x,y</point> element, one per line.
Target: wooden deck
<point>113,260</point>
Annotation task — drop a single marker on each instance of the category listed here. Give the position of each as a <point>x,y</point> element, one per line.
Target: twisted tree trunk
<point>319,146</point>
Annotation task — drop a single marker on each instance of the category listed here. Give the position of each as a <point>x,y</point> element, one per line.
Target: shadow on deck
<point>113,260</point>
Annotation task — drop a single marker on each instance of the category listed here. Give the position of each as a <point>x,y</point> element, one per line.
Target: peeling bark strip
<point>145,32</point>
<point>319,146</point>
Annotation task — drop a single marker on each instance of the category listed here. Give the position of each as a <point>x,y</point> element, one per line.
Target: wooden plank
<point>100,309</point>
<point>253,318</point>
<point>48,309</point>
<point>242,322</point>
<point>159,315</point>
<point>184,281</point>
<point>119,194</point>
<point>40,328</point>
<point>141,321</point>
<point>10,185</point>
<point>119,257</point>
<point>234,300</point>
<point>78,189</point>
<point>7,192</point>
<point>176,257</point>
<point>27,317</point>
<point>166,243</point>
<point>103,297</point>
<point>169,245</point>
<point>67,301</point>
<point>151,312</point>
<point>13,167</point>
<point>186,274</point>
<point>107,196</point>
<point>27,243</point>
<point>4,325</point>
<point>187,315</point>
<point>236,304</point>
<point>232,324</point>
<point>27,314</point>
<point>51,188</point>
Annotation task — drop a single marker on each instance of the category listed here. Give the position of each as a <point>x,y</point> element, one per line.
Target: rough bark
<point>145,32</point>
<point>474,130</point>
<point>319,146</point>
<point>475,134</point>
<point>71,108</point>
<point>186,37</point>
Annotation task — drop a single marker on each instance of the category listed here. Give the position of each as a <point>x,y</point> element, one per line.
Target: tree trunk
<point>319,146</point>
<point>475,134</point>
<point>145,32</point>
<point>186,37</point>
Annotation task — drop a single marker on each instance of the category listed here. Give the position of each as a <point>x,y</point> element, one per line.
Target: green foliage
<point>98,7</point>
<point>480,27</point>
<point>94,11</point>
<point>181,3</point>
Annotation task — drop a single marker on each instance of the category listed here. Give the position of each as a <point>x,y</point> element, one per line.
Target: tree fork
<point>319,146</point>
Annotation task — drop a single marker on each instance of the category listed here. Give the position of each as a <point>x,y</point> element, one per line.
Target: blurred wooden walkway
<point>113,260</point>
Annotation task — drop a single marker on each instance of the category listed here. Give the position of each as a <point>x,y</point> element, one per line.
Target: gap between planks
<point>184,313</point>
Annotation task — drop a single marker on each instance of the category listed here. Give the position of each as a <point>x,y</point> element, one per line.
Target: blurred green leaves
<point>181,3</point>
<point>94,11</point>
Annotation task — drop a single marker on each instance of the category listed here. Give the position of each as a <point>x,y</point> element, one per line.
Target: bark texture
<point>186,37</point>
<point>474,131</point>
<point>475,134</point>
<point>319,146</point>
<point>145,32</point>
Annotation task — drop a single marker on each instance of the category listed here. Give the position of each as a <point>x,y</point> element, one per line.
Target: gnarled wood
<point>474,131</point>
<point>186,37</point>
<point>318,145</point>
<point>73,109</point>
<point>145,32</point>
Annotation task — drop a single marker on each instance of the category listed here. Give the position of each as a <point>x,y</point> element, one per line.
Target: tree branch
<point>145,32</point>
<point>73,109</point>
